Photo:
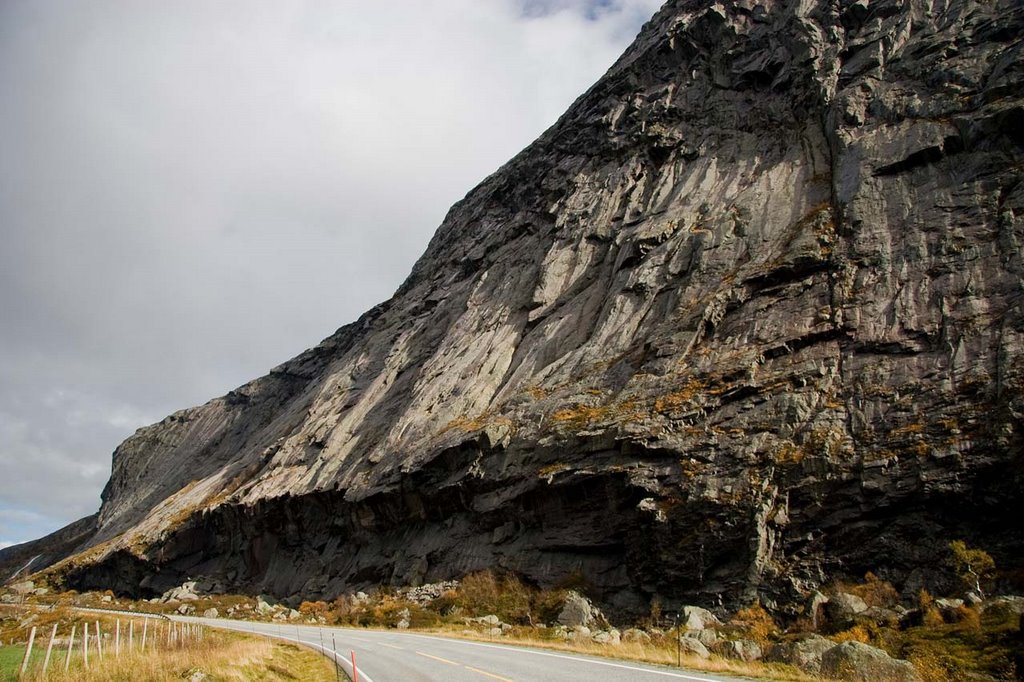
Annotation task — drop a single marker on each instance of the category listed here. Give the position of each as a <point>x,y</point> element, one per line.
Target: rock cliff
<point>748,316</point>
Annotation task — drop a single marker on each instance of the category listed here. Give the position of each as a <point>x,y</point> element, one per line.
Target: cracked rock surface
<point>748,316</point>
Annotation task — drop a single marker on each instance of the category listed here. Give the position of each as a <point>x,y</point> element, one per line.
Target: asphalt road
<point>396,656</point>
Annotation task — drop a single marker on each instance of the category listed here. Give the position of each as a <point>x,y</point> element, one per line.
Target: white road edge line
<point>578,659</point>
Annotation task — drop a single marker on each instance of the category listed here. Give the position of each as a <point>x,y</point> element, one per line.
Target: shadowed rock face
<point>747,316</point>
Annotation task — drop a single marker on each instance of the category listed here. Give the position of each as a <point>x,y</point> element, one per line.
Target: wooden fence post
<point>28,650</point>
<point>49,648</point>
<point>85,644</point>
<point>99,641</point>
<point>71,645</point>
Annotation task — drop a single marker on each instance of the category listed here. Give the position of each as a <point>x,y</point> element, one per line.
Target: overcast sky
<point>193,192</point>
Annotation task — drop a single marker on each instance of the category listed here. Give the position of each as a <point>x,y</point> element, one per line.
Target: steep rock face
<point>749,314</point>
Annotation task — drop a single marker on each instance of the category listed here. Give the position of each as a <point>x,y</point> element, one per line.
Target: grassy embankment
<point>217,655</point>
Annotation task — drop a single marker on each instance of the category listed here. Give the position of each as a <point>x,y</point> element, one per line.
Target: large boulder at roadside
<point>696,618</point>
<point>578,610</point>
<point>636,635</point>
<point>211,613</point>
<point>609,636</point>
<point>863,663</point>
<point>803,653</point>
<point>706,637</point>
<point>740,649</point>
<point>691,647</point>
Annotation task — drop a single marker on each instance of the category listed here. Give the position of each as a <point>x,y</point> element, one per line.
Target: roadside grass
<point>10,661</point>
<point>219,655</point>
<point>661,651</point>
<point>232,657</point>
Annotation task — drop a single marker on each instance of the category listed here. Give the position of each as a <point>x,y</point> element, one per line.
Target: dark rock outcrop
<point>747,316</point>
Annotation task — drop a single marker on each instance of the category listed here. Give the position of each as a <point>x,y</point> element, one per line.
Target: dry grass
<point>661,651</point>
<point>221,656</point>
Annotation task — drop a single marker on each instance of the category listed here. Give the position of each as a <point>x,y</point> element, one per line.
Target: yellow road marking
<point>437,658</point>
<point>484,672</point>
<point>391,646</point>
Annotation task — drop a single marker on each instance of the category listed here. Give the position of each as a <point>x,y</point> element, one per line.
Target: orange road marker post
<point>355,670</point>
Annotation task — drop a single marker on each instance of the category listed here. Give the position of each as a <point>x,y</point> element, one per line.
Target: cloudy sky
<point>193,192</point>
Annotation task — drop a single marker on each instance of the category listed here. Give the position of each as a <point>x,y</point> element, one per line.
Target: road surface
<point>397,656</point>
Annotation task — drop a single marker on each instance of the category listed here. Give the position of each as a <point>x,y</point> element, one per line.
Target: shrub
<point>314,609</point>
<point>972,566</point>
<point>755,623</point>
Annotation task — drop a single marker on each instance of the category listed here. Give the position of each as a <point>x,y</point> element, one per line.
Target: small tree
<point>972,566</point>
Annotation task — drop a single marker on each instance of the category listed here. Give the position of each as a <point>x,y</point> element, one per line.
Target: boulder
<point>186,609</point>
<point>610,636</point>
<point>579,632</point>
<point>22,588</point>
<point>696,618</point>
<point>578,610</point>
<point>857,661</point>
<point>293,614</point>
<point>210,613</point>
<point>881,616</point>
<point>107,599</point>
<point>692,647</point>
<point>635,635</point>
<point>706,637</point>
<point>803,653</point>
<point>841,609</point>
<point>740,649</point>
<point>186,592</point>
<point>813,608</point>
<point>1006,603</point>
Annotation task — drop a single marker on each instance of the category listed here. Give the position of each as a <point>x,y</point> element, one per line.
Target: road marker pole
<point>28,650</point>
<point>49,648</point>
<point>131,635</point>
<point>71,646</point>
<point>679,641</point>
<point>355,670</point>
<point>334,650</point>
<point>117,640</point>
<point>145,627</point>
<point>99,641</point>
<point>85,644</point>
